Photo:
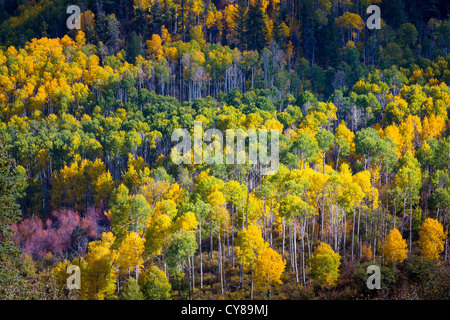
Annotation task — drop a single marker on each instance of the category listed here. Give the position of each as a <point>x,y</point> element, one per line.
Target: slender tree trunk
<point>359,219</point>
<point>295,249</point>
<point>303,253</point>
<point>219,260</point>
<point>410,222</point>
<point>193,274</point>
<point>404,211</point>
<point>211,238</point>
<point>251,290</point>
<point>201,259</point>
<point>271,221</point>
<point>345,229</point>
<point>232,248</point>
<point>353,230</point>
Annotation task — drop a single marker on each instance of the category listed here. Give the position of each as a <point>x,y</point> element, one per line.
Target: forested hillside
<point>87,176</point>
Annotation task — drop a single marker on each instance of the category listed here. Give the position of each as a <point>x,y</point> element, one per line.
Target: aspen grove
<point>87,170</point>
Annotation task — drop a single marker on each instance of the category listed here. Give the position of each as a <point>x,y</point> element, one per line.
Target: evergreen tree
<point>240,16</point>
<point>140,21</point>
<point>134,47</point>
<point>255,26</point>
<point>156,20</point>
<point>9,215</point>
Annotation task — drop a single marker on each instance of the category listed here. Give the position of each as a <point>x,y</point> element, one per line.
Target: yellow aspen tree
<point>269,269</point>
<point>142,4</point>
<point>165,35</point>
<point>158,231</point>
<point>154,191</point>
<point>434,126</point>
<point>100,275</point>
<point>344,141</point>
<point>154,47</point>
<point>130,254</point>
<point>392,131</point>
<point>411,129</point>
<point>186,222</point>
<point>103,187</point>
<point>431,239</point>
<point>352,23</point>
<point>394,247</point>
<point>87,20</point>
<point>250,244</point>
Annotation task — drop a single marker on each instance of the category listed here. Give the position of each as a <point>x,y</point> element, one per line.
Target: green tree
<point>306,147</point>
<point>325,266</point>
<point>182,246</point>
<point>9,215</point>
<point>127,213</point>
<point>408,181</point>
<point>155,284</point>
<point>255,26</point>
<point>132,290</point>
<point>134,48</point>
<point>407,35</point>
<point>240,15</point>
<point>367,145</point>
<point>325,140</point>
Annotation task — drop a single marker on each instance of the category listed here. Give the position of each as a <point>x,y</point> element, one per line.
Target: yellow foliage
<point>351,21</point>
<point>250,244</point>
<point>392,131</point>
<point>130,253</point>
<point>325,266</point>
<point>433,127</point>
<point>345,134</point>
<point>143,4</point>
<point>432,238</point>
<point>175,193</point>
<point>394,247</point>
<point>269,268</point>
<point>411,130</point>
<point>87,19</point>
<point>80,38</point>
<point>210,19</point>
<point>159,229</point>
<point>187,222</point>
<point>100,276</point>
<point>165,35</point>
<point>154,47</point>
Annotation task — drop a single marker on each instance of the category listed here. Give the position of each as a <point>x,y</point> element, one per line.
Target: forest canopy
<point>86,149</point>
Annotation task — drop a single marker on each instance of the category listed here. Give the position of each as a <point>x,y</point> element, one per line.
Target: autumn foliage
<point>87,168</point>
<point>394,248</point>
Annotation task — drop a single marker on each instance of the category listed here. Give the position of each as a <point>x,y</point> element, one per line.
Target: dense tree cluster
<point>364,174</point>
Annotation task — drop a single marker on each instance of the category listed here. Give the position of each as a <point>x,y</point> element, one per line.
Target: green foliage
<point>387,279</point>
<point>9,214</point>
<point>87,118</point>
<point>132,290</point>
<point>182,246</point>
<point>325,266</point>
<point>155,285</point>
<point>422,271</point>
